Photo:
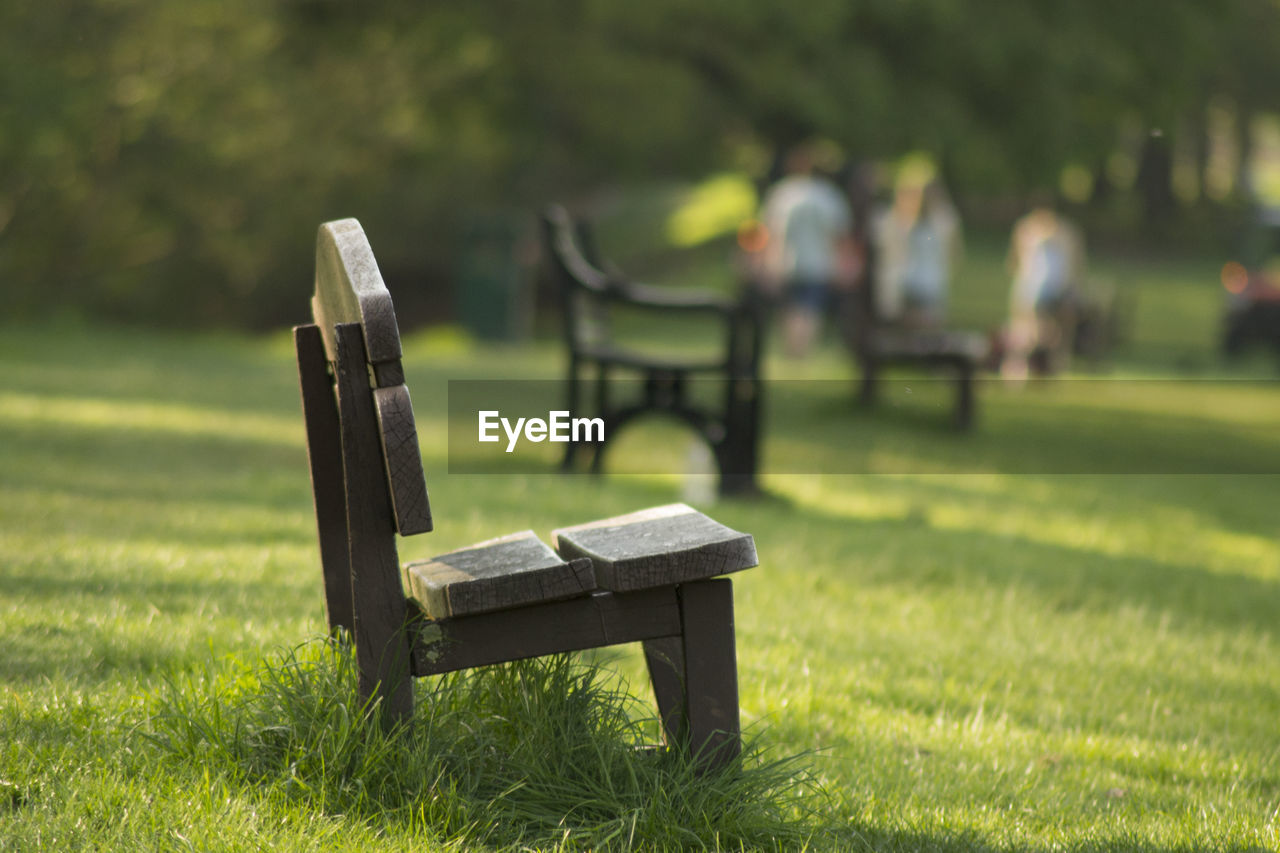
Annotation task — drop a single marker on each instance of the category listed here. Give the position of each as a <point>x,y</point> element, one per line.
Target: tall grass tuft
<point>533,754</point>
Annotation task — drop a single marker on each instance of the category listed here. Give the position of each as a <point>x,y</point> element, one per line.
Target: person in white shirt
<point>809,249</point>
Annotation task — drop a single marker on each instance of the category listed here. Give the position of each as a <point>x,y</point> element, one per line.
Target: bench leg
<point>382,641</point>
<point>665,659</point>
<point>324,451</point>
<point>738,452</point>
<point>964,398</point>
<point>867,389</point>
<point>711,672</point>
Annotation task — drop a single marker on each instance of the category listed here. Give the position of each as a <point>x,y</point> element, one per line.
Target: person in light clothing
<point>809,250</point>
<point>1046,257</point>
<point>917,240</point>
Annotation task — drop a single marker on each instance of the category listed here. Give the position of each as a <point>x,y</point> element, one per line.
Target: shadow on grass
<point>134,484</point>
<point>1070,578</point>
<point>234,372</point>
<point>1086,427</point>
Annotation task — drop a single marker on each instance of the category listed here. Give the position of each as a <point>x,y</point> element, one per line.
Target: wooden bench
<point>877,345</point>
<point>589,290</point>
<point>649,577</point>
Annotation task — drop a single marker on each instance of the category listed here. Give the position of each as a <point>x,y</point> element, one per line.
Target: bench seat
<point>506,572</point>
<point>655,547</point>
<point>660,546</point>
<point>928,345</point>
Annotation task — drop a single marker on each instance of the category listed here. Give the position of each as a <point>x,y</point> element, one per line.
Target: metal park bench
<point>649,577</point>
<point>589,290</point>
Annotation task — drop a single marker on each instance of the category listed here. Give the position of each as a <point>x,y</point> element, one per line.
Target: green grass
<point>978,643</point>
<point>534,753</point>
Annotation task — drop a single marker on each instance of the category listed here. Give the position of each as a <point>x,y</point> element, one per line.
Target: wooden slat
<point>655,547</point>
<point>382,648</point>
<point>710,671</point>
<point>586,622</point>
<point>324,452</point>
<point>387,374</point>
<point>349,289</point>
<point>511,571</point>
<point>403,462</point>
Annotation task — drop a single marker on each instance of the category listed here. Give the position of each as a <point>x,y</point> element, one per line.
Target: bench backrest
<point>349,289</point>
<point>583,288</point>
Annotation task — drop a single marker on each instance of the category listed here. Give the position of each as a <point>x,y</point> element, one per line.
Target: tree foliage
<point>170,160</point>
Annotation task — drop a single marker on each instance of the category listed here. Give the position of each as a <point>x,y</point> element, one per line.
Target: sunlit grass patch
<point>37,410</point>
<point>974,653</point>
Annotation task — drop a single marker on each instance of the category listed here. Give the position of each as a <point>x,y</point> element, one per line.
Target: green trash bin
<point>492,299</point>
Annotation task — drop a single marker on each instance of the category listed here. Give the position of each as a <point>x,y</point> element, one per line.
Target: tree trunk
<point>1244,142</point>
<point>1155,184</point>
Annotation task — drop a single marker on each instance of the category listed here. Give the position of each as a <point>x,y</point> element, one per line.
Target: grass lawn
<point>992,642</point>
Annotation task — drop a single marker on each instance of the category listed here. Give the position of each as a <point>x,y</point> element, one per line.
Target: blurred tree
<point>167,159</point>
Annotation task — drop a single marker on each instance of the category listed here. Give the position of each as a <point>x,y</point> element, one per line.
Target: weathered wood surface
<point>403,460</point>
<point>508,598</point>
<point>324,453</point>
<point>349,289</point>
<point>710,671</point>
<point>586,622</point>
<point>511,571</point>
<point>664,658</point>
<point>382,647</point>
<point>664,545</point>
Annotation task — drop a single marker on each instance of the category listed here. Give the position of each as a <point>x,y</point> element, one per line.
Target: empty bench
<point>651,577</point>
<point>956,354</point>
<point>877,345</point>
<point>589,292</point>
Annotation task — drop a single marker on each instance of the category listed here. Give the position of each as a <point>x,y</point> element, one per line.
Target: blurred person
<point>808,248</point>
<point>917,239</point>
<point>1046,258</point>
